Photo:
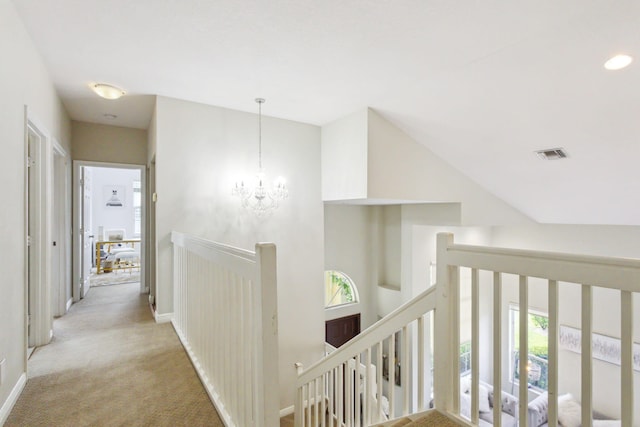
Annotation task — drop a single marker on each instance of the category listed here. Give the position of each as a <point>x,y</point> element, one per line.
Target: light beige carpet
<point>110,364</point>
<point>117,277</point>
<point>432,419</point>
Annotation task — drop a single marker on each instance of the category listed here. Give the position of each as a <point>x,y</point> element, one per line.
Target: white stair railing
<point>557,270</point>
<point>336,392</point>
<point>225,313</point>
<point>341,391</point>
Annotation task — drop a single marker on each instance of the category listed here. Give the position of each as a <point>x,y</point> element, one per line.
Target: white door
<point>86,232</point>
<point>59,283</point>
<point>32,241</point>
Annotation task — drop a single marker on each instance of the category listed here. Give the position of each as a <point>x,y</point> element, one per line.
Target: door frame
<point>62,223</point>
<point>77,233</point>
<point>40,239</point>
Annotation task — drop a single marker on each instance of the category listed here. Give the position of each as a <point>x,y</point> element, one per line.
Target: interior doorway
<point>38,234</point>
<point>111,233</point>
<point>61,233</point>
<point>34,141</point>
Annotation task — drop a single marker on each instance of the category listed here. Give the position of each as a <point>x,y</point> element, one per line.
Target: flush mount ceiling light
<point>107,91</point>
<point>259,197</point>
<point>618,62</point>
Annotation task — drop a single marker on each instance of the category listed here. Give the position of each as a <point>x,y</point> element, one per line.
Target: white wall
<point>350,248</point>
<point>200,152</point>
<point>344,158</point>
<point>401,168</point>
<point>110,217</point>
<point>603,240</point>
<point>23,81</point>
<point>368,160</point>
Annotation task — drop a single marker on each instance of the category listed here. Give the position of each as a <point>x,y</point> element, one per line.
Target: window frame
<point>137,208</point>
<point>514,314</point>
<point>352,286</point>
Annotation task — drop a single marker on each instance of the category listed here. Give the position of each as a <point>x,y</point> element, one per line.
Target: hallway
<point>110,364</point>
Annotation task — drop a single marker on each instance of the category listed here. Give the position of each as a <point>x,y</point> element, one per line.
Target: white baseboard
<point>6,408</point>
<point>162,318</point>
<point>69,304</point>
<point>286,411</point>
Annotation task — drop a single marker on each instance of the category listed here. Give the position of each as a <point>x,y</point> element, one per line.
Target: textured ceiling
<point>482,84</point>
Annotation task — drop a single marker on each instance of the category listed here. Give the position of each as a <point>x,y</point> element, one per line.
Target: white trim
<point>13,398</point>
<point>69,303</point>
<point>59,148</point>
<point>287,411</point>
<point>61,227</point>
<point>41,236</point>
<point>163,318</point>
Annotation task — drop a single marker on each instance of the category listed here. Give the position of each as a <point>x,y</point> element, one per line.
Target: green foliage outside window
<point>339,289</point>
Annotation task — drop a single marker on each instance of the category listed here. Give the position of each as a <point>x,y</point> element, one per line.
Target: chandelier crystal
<point>258,197</point>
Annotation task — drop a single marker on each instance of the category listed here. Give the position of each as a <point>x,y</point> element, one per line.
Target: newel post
<point>447,331</point>
<point>265,306</point>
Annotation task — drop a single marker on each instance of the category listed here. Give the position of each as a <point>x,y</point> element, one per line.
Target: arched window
<point>339,289</point>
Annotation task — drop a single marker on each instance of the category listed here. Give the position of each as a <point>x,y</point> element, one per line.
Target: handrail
<point>407,312</point>
<point>606,272</point>
<point>556,269</point>
<point>191,242</point>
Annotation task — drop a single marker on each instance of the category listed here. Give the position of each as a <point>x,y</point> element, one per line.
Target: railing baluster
<point>233,348</point>
<point>304,420</point>
<point>378,382</point>
<point>316,404</point>
<point>552,373</point>
<point>340,394</point>
<point>524,350</point>
<point>404,371</point>
<point>454,273</point>
<point>475,344</point>
<point>332,395</point>
<point>348,393</point>
<point>367,400</point>
<point>242,392</point>
<point>356,391</point>
<point>587,350</point>
<point>497,348</point>
<point>309,403</point>
<point>421,363</point>
<point>627,374</point>
<point>323,397</point>
<point>298,412</point>
<point>391,362</point>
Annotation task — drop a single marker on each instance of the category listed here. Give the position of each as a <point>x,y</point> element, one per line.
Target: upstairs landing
<point>426,419</point>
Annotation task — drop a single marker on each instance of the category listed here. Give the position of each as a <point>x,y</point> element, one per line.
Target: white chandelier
<point>259,198</point>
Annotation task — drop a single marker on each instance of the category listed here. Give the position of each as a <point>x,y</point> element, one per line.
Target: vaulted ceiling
<point>483,84</point>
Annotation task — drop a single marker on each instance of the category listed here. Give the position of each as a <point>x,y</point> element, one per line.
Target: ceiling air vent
<point>552,154</point>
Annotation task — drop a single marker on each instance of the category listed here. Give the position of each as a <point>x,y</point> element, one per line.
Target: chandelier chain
<point>260,101</point>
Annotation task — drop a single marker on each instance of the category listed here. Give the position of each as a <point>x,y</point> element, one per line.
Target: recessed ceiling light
<point>618,62</point>
<point>110,116</point>
<point>107,91</point>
